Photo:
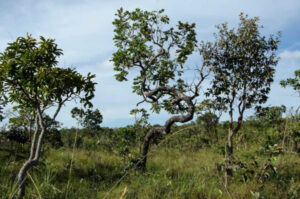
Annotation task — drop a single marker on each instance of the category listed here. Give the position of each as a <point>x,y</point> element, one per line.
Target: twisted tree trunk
<point>21,176</point>
<point>150,135</point>
<point>166,129</point>
<point>33,159</point>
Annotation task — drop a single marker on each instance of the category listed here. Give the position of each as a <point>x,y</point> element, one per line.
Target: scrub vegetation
<point>193,154</point>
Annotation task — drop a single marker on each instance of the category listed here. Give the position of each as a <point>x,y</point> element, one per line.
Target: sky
<point>84,30</point>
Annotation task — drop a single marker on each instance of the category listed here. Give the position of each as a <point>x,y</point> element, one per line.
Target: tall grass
<point>187,169</point>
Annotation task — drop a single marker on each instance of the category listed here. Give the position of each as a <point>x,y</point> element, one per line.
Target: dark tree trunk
<point>295,146</point>
<point>167,127</point>
<point>216,134</point>
<point>150,135</point>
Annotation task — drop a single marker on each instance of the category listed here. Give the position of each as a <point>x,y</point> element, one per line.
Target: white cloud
<point>290,55</point>
<point>84,30</point>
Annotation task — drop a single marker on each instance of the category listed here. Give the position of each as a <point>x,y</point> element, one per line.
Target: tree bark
<point>150,135</point>
<point>229,144</point>
<point>33,159</point>
<point>21,176</point>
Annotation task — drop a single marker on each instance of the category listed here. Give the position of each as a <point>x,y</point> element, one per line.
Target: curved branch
<point>168,124</point>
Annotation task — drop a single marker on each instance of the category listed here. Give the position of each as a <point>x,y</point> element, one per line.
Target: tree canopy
<point>243,64</point>
<point>158,53</point>
<point>30,79</point>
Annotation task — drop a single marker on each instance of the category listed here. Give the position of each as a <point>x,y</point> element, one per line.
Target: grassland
<point>179,166</point>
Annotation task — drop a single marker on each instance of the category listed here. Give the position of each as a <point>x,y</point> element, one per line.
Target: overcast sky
<point>83,29</point>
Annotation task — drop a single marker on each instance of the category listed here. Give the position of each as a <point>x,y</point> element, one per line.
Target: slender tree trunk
<point>229,147</point>
<point>21,176</point>
<point>33,159</point>
<point>284,139</point>
<point>229,151</point>
<point>216,134</point>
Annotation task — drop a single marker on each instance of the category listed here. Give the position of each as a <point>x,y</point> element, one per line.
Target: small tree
<point>271,115</point>
<point>21,127</point>
<point>209,113</point>
<point>31,80</point>
<point>158,54</point>
<point>209,121</point>
<point>141,123</point>
<point>293,82</point>
<point>243,66</point>
<point>88,118</point>
<point>22,119</point>
<point>295,129</point>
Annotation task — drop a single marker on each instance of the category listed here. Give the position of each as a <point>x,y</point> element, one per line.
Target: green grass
<point>172,172</point>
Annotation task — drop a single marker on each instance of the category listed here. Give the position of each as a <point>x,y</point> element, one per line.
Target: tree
<point>31,79</point>
<point>209,113</point>
<point>158,54</point>
<point>23,119</point>
<point>271,115</point>
<point>211,106</point>
<point>141,123</point>
<point>242,62</point>
<point>17,135</point>
<point>209,121</point>
<point>88,118</point>
<point>293,82</point>
<point>22,125</point>
<point>52,135</point>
